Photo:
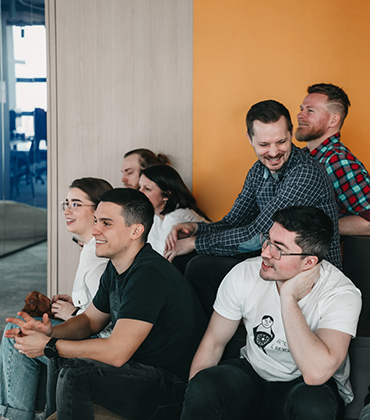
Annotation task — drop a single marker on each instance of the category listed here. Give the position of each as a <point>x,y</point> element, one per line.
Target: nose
<point>273,150</point>
<point>266,252</point>
<point>124,179</point>
<point>300,114</point>
<point>95,231</point>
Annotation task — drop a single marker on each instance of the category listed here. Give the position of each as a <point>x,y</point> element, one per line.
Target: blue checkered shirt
<point>302,181</point>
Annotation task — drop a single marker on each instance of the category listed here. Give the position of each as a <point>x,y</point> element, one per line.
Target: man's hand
<point>62,309</point>
<point>183,246</point>
<point>182,230</point>
<point>27,325</point>
<point>31,336</point>
<point>300,285</point>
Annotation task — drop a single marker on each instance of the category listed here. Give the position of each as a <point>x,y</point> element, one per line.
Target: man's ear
<point>335,120</point>
<point>250,139</point>
<point>310,262</point>
<point>137,231</point>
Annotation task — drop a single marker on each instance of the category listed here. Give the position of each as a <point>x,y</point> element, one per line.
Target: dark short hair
<point>314,228</point>
<point>172,187</point>
<point>337,97</point>
<point>136,207</point>
<point>94,188</point>
<point>267,112</point>
<point>148,158</point>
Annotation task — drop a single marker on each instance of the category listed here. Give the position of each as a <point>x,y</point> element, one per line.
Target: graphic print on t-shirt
<point>263,333</point>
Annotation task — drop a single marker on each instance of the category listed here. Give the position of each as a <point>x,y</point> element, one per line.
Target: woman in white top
<point>172,201</point>
<point>19,375</point>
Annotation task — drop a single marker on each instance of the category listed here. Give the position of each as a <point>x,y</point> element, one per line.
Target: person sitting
<point>136,160</point>
<point>19,375</point>
<point>282,176</point>
<point>299,312</point>
<point>320,120</point>
<point>172,201</point>
<point>140,370</point>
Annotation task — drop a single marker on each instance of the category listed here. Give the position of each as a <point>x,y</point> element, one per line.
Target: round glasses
<point>73,205</point>
<point>275,251</point>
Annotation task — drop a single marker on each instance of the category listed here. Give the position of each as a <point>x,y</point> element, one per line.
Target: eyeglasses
<point>275,251</point>
<point>73,205</point>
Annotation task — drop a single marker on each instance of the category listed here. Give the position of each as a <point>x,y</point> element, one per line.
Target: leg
<point>122,391</point>
<point>297,401</point>
<point>365,413</point>
<point>19,377</point>
<point>227,391</point>
<point>19,380</point>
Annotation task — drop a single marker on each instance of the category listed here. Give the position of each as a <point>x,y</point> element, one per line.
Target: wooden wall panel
<point>120,77</point>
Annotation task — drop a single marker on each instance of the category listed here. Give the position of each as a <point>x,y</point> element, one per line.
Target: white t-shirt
<point>162,227</point>
<point>333,303</point>
<point>87,279</point>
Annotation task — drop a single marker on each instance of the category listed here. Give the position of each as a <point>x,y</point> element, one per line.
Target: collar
<point>322,147</point>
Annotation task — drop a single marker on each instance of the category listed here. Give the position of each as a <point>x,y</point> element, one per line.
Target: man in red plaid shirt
<point>322,114</point>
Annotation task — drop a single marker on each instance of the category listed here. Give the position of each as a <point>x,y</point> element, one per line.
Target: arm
<point>317,355</point>
<point>219,332</point>
<point>354,225</point>
<point>302,185</point>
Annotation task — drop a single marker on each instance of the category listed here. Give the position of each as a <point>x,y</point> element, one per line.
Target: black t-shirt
<point>154,291</point>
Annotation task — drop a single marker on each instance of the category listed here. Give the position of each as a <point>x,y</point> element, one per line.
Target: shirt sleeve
<point>303,185</point>
<point>351,184</point>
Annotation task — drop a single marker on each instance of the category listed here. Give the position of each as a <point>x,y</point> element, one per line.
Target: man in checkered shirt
<point>322,115</point>
<point>283,176</point>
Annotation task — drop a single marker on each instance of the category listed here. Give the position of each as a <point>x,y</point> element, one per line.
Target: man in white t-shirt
<point>299,312</point>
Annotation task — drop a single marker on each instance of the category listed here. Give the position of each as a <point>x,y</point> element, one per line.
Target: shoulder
<point>335,281</point>
<point>182,215</point>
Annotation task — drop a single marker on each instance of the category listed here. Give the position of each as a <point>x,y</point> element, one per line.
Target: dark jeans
<point>234,391</point>
<point>206,272</point>
<point>133,391</point>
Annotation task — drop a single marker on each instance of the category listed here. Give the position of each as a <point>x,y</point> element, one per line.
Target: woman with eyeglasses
<point>19,375</point>
<point>172,201</point>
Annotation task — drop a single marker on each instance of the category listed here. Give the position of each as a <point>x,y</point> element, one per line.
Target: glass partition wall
<point>23,152</point>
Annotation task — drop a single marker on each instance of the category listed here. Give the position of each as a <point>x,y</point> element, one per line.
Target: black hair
<point>136,207</point>
<point>314,228</point>
<point>267,112</point>
<point>172,187</point>
<point>94,188</point>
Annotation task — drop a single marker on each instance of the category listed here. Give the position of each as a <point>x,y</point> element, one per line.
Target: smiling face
<point>272,143</point>
<point>315,119</point>
<point>131,171</point>
<point>289,265</point>
<point>113,236</point>
<point>154,193</point>
<point>79,220</point>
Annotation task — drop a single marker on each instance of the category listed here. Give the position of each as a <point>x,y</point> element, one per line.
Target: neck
<point>124,261</point>
<point>312,144</point>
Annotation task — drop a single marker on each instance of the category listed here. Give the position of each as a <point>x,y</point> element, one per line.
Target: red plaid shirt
<point>349,176</point>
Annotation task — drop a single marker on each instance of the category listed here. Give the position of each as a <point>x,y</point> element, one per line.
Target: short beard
<point>311,135</point>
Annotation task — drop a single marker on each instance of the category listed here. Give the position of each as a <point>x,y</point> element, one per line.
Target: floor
<point>20,274</point>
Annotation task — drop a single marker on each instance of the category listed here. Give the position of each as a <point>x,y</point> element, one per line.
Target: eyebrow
<point>280,244</point>
<point>104,219</point>
<point>75,199</point>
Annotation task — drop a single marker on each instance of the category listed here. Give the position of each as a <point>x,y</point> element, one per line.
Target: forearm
<point>309,352</point>
<point>75,328</point>
<point>207,355</point>
<point>100,349</point>
<point>354,225</point>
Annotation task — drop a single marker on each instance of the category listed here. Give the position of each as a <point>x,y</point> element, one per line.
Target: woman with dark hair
<point>172,201</point>
<point>19,375</point>
<point>136,160</point>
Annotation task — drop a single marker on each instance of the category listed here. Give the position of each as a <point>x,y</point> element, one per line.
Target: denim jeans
<point>133,391</point>
<point>234,391</point>
<point>19,380</point>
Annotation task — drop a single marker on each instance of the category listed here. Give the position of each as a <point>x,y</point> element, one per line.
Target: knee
<point>308,402</point>
<point>204,388</point>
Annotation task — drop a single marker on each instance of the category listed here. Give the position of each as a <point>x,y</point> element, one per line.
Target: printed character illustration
<point>263,333</point>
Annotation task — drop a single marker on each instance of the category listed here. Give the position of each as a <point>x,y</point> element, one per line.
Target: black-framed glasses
<point>73,205</point>
<point>275,251</point>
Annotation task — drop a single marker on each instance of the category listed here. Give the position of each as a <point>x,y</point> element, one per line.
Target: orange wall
<point>246,51</point>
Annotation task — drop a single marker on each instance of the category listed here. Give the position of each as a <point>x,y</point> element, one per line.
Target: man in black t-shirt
<point>141,370</point>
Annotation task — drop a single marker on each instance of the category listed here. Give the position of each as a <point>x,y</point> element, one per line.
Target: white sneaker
<point>39,416</point>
